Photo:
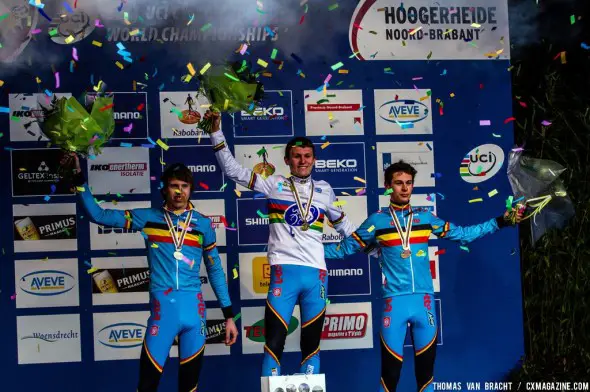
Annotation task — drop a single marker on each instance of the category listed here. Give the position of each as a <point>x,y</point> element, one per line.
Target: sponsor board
<point>419,200</point>
<point>130,113</point>
<point>119,335</point>
<point>215,335</point>
<point>202,163</point>
<point>46,283</point>
<point>417,154</point>
<point>273,117</point>
<point>25,110</point>
<point>45,227</point>
<point>348,326</point>
<point>355,208</point>
<point>253,331</point>
<point>481,163</point>
<point>254,275</point>
<point>120,280</point>
<point>48,339</point>
<point>334,116</point>
<point>435,31</point>
<point>403,112</point>
<point>104,237</point>
<point>180,112</point>
<point>436,312</point>
<point>349,276</point>
<point>269,162</point>
<point>252,228</point>
<point>214,209</point>
<point>120,170</point>
<point>35,173</point>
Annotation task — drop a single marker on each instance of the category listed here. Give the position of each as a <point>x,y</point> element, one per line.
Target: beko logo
<point>335,163</point>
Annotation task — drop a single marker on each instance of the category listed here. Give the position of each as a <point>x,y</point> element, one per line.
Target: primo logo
<point>122,335</point>
<point>46,283</point>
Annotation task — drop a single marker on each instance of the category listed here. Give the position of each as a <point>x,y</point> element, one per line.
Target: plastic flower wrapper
<point>230,88</point>
<point>539,191</point>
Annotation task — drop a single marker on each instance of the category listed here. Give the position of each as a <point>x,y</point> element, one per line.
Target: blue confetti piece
<point>280,186</point>
<point>128,59</point>
<point>47,198</point>
<point>26,108</point>
<point>92,157</point>
<point>155,72</point>
<point>34,4</point>
<point>119,8</point>
<point>53,187</point>
<point>172,79</point>
<point>429,146</point>
<point>259,195</point>
<point>87,263</point>
<point>251,107</point>
<point>361,108</point>
<point>48,93</point>
<point>161,87</point>
<point>444,72</point>
<point>148,146</point>
<point>4,109</point>
<point>72,66</point>
<point>127,145</point>
<point>407,125</point>
<point>150,140</point>
<point>120,46</point>
<point>323,137</point>
<point>123,53</point>
<point>44,14</point>
<point>441,195</point>
<point>517,200</point>
<point>68,8</point>
<point>584,46</point>
<point>269,31</point>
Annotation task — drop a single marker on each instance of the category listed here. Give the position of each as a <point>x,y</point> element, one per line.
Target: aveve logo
<point>47,283</point>
<point>481,163</point>
<point>403,111</point>
<point>122,335</point>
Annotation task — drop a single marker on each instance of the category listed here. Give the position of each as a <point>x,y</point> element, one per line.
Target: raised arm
<point>363,239</point>
<point>215,271</point>
<point>465,234</point>
<point>338,218</point>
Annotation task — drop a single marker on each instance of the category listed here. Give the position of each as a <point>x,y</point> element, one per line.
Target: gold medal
<point>305,226</point>
<point>303,215</point>
<point>403,234</point>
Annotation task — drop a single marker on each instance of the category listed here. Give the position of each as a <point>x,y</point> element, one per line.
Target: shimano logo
<point>202,168</point>
<point>336,164</point>
<point>127,115</point>
<point>256,221</point>
<point>346,272</point>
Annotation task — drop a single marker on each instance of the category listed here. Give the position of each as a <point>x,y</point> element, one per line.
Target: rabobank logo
<point>47,282</point>
<point>481,163</point>
<point>122,335</point>
<point>403,111</point>
<point>293,216</point>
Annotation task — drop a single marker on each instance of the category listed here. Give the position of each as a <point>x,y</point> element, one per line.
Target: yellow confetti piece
<point>38,80</point>
<point>360,180</point>
<point>262,63</point>
<point>345,193</point>
<point>235,271</point>
<point>476,200</point>
<point>492,193</point>
<point>424,98</point>
<point>342,71</point>
<point>330,116</point>
<point>134,32</point>
<point>188,78</point>
<point>162,162</point>
<point>191,69</point>
<point>238,193</point>
<point>326,144</point>
<point>267,74</point>
<point>476,25</point>
<point>119,65</point>
<point>339,203</point>
<point>563,60</point>
<point>97,43</point>
<point>421,253</point>
<point>226,104</point>
<point>162,144</point>
<point>92,270</point>
<point>452,95</point>
<point>416,30</point>
<point>155,246</point>
<point>70,39</point>
<point>370,229</point>
<point>1,83</point>
<point>206,105</point>
<point>360,190</point>
<point>205,68</point>
<point>80,189</point>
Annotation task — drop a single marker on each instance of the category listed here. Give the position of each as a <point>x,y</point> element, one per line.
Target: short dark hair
<point>399,166</point>
<point>299,141</point>
<point>177,171</point>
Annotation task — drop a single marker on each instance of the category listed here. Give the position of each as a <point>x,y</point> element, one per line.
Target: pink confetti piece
<point>518,149</point>
<point>94,138</point>
<point>57,80</point>
<point>546,123</point>
<point>36,31</point>
<point>128,128</point>
<point>244,48</point>
<point>13,296</point>
<point>97,23</point>
<point>328,78</point>
<point>484,123</point>
<point>153,178</point>
<point>418,78</point>
<point>75,54</point>
<point>416,88</point>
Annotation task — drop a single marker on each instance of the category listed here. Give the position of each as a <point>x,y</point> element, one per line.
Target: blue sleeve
<point>359,240</point>
<point>463,234</point>
<point>127,219</point>
<point>214,269</point>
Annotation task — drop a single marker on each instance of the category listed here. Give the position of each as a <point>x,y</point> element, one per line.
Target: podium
<point>294,383</point>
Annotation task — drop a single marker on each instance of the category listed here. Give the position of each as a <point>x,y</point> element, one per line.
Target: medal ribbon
<point>178,240</point>
<point>298,201</point>
<point>405,236</point>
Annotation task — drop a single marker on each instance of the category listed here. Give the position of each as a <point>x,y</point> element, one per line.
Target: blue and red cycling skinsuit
<point>408,292</point>
<point>177,305</point>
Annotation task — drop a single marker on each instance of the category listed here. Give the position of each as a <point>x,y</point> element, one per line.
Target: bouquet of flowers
<point>230,88</point>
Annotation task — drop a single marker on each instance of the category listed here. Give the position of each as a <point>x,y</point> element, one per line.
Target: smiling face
<point>300,161</point>
<point>177,194</point>
<point>402,185</point>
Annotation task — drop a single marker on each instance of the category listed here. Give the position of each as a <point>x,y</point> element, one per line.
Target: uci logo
<point>293,217</point>
<point>403,111</point>
<point>481,163</point>
<point>122,335</point>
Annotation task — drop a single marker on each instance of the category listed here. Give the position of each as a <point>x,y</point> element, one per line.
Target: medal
<point>403,234</point>
<point>178,238</point>
<point>305,224</point>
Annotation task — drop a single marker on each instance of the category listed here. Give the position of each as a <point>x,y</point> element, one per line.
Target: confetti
<point>414,31</point>
<point>237,316</point>
<point>429,147</point>
<point>326,144</point>
<point>223,186</point>
<point>163,145</point>
<point>333,7</point>
<point>360,180</point>
<point>339,203</point>
<point>572,19</point>
<point>388,192</point>
<point>155,246</point>
<point>273,55</point>
<point>545,123</point>
<point>70,39</point>
<point>235,271</point>
<point>106,107</point>
<point>261,214</point>
<point>440,252</point>
<point>191,19</point>
<point>421,253</point>
<point>370,229</point>
<point>476,200</point>
<point>238,193</point>
<point>262,63</point>
<point>191,69</point>
<point>466,249</point>
<point>485,123</point>
<point>495,135</point>
<point>92,270</point>
<point>492,193</point>
<point>204,186</point>
<point>206,27</point>
<point>168,291</point>
<point>57,82</point>
<point>337,65</point>
<point>13,296</point>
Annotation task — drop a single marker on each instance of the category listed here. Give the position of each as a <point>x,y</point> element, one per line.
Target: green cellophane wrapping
<point>69,126</point>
